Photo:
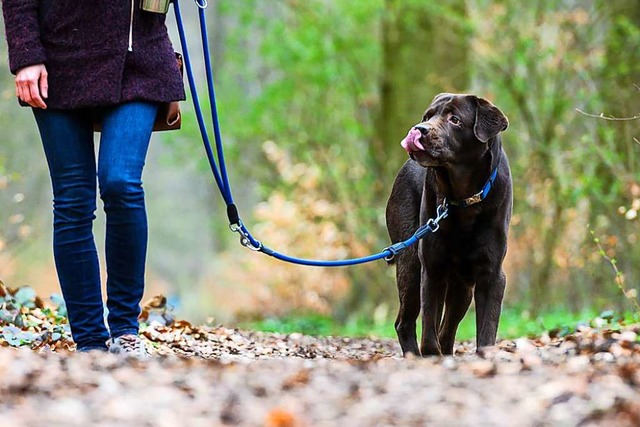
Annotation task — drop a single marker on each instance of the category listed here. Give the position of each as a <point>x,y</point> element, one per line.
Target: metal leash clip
<point>244,237</point>
<point>244,241</point>
<point>443,210</point>
<point>237,227</point>
<point>433,225</point>
<point>441,213</point>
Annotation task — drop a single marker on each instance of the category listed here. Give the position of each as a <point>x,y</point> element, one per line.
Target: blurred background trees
<point>314,98</point>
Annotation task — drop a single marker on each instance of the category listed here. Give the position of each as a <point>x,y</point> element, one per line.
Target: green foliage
<point>514,323</point>
<point>306,83</point>
<point>549,59</point>
<point>25,320</point>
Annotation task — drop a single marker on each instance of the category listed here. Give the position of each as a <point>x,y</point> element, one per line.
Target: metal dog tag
<point>155,6</point>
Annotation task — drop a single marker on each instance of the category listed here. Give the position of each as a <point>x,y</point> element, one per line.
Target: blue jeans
<point>67,137</point>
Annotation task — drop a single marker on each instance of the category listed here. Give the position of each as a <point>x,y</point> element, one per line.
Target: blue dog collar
<point>479,196</point>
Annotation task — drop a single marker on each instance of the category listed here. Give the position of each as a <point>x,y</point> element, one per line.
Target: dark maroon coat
<point>85,45</point>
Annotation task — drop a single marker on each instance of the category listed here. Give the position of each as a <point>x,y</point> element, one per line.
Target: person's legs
<point>67,137</point>
<point>126,130</point>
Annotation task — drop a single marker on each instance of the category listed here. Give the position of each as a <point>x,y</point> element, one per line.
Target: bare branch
<point>637,87</point>
<point>602,116</point>
<point>636,140</point>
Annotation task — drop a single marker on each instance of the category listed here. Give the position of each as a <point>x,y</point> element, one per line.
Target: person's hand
<point>32,85</point>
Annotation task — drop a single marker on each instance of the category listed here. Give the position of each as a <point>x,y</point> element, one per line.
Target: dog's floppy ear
<point>489,120</point>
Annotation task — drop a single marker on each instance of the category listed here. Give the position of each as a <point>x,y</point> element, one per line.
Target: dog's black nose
<point>424,129</point>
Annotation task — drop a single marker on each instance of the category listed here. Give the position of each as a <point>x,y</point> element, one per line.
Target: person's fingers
<point>20,84</point>
<point>18,91</point>
<point>44,83</point>
<point>23,89</point>
<point>35,95</point>
<point>25,95</point>
<point>32,84</point>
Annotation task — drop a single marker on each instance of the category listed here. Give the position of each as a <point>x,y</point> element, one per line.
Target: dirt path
<point>215,376</point>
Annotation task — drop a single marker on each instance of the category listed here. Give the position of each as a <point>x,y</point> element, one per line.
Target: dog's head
<point>455,130</point>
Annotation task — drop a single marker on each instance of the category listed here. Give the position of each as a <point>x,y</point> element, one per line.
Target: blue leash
<point>219,168</point>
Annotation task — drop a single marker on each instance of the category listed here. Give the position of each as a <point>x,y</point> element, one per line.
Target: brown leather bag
<point>169,117</point>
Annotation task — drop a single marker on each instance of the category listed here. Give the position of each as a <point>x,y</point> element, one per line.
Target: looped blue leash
<point>219,168</point>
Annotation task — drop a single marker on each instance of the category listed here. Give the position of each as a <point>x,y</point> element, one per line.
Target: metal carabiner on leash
<point>431,226</point>
<point>244,237</point>
<point>441,213</point>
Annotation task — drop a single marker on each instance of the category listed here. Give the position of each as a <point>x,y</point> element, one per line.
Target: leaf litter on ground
<point>215,375</point>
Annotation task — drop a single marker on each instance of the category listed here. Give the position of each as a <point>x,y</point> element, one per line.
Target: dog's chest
<point>459,244</point>
<point>463,225</point>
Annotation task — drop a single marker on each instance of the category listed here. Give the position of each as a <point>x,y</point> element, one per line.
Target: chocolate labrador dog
<point>456,159</point>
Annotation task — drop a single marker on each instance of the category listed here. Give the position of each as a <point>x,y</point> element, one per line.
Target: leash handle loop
<point>202,4</point>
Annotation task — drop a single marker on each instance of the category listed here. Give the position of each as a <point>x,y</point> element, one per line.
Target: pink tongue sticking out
<point>412,141</point>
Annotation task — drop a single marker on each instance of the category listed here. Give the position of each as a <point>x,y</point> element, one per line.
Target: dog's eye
<point>455,120</point>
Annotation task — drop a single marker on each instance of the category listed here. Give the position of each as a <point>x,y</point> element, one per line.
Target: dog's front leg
<point>408,279</point>
<point>488,295</point>
<point>433,289</point>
